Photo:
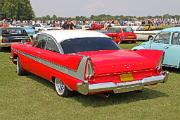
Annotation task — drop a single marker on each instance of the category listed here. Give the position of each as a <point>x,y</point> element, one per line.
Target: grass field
<point>32,98</point>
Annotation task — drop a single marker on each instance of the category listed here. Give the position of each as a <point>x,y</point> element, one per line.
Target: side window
<point>162,37</point>
<point>175,38</point>
<point>41,41</point>
<point>51,45</point>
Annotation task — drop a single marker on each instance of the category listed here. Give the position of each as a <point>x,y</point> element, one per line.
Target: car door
<point>173,58</point>
<point>162,42</point>
<point>37,65</point>
<point>50,53</point>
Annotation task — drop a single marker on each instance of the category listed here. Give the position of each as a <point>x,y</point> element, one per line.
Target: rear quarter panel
<point>152,55</point>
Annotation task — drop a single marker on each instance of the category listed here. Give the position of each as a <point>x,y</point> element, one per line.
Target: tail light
<point>89,72</point>
<point>28,40</point>
<point>159,65</point>
<point>4,40</point>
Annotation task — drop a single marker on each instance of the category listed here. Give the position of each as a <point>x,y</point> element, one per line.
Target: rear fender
<point>71,77</point>
<point>154,55</point>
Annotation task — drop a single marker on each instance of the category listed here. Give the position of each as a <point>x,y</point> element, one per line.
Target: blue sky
<point>71,8</point>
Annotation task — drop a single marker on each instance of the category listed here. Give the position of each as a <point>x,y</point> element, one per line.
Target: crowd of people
<point>71,24</point>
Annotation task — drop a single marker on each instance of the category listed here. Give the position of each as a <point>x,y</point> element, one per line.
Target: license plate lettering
<point>126,77</point>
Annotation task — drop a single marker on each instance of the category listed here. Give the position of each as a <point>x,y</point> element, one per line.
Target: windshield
<point>127,29</point>
<point>88,44</point>
<point>114,30</point>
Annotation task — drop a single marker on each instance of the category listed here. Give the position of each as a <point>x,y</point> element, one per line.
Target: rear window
<point>14,32</point>
<point>88,44</point>
<point>114,30</point>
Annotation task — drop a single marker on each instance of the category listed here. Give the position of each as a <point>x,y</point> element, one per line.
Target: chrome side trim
<point>85,88</point>
<point>79,73</point>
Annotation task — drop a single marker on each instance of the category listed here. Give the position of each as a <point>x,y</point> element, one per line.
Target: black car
<point>12,35</point>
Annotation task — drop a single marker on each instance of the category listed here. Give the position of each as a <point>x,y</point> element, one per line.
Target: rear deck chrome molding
<point>85,88</point>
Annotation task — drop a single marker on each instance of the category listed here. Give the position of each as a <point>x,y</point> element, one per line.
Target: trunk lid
<point>118,61</point>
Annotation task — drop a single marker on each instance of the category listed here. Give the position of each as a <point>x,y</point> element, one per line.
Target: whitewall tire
<point>61,89</point>
<point>20,71</point>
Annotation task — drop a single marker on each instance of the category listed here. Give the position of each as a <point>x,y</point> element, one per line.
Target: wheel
<point>61,89</point>
<point>0,49</point>
<point>20,71</point>
<point>150,37</point>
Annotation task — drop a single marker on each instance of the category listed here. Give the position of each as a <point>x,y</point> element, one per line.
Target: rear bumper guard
<point>85,88</point>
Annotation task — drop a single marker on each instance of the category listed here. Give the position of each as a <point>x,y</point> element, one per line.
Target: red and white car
<point>88,62</point>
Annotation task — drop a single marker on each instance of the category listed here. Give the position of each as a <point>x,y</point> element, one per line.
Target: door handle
<point>166,47</point>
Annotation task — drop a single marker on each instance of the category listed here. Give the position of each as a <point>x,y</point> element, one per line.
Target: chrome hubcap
<point>59,86</point>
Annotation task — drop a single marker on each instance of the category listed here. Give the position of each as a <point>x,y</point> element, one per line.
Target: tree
<point>19,9</point>
<point>82,18</point>
<point>54,17</point>
<point>1,13</point>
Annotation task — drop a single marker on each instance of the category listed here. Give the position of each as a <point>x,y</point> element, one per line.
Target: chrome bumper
<point>5,44</point>
<point>85,88</point>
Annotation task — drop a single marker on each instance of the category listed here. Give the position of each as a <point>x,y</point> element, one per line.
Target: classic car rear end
<point>12,35</point>
<point>119,72</point>
<point>88,62</point>
<point>121,34</point>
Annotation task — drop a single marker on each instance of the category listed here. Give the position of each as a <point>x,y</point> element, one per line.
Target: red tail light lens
<point>89,72</point>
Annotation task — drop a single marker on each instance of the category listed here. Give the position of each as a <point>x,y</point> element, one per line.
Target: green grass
<point>128,46</point>
<point>32,98</point>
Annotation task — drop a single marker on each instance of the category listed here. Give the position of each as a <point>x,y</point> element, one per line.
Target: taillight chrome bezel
<point>160,62</point>
<point>89,71</point>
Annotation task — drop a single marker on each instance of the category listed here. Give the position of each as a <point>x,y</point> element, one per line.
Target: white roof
<point>61,35</point>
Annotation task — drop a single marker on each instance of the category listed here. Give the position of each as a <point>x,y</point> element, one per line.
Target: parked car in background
<point>88,62</point>
<point>167,40</point>
<point>12,35</point>
<point>145,35</point>
<point>83,27</point>
<point>30,31</point>
<point>96,26</point>
<point>38,27</point>
<point>121,34</point>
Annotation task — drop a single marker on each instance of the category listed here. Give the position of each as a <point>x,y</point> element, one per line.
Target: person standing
<point>68,25</point>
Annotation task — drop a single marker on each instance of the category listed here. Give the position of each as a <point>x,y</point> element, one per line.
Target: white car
<point>38,27</point>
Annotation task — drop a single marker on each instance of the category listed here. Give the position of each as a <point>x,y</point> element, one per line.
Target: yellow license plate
<point>130,36</point>
<point>126,77</point>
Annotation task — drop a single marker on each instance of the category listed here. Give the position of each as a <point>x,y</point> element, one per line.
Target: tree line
<point>16,9</point>
<point>104,17</point>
